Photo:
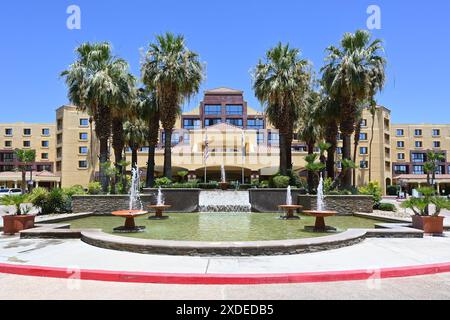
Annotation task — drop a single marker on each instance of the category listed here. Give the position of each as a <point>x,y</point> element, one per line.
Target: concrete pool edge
<point>98,238</point>
<point>225,279</point>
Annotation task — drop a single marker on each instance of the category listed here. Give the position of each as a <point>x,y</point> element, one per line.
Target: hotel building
<point>236,136</point>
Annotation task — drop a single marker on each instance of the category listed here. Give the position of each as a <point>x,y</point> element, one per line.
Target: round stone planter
<point>14,224</point>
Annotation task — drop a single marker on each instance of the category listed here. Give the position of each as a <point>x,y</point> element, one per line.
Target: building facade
<point>232,134</point>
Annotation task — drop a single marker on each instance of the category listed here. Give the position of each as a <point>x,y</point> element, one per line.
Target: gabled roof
<point>223,90</point>
<point>223,126</point>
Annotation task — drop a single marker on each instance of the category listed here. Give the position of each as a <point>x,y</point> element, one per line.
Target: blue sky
<point>230,36</point>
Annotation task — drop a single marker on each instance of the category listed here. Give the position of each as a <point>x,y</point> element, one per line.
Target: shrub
<point>386,207</point>
<point>16,201</point>
<point>392,190</point>
<point>372,189</point>
<point>264,184</point>
<point>55,201</point>
<point>94,188</point>
<point>245,186</point>
<point>74,190</point>
<point>162,182</point>
<point>208,186</point>
<point>281,181</point>
<point>186,185</point>
<point>39,198</point>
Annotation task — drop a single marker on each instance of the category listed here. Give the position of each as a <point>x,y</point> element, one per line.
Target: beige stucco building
<point>235,135</point>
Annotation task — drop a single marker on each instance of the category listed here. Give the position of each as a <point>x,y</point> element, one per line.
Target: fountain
<point>160,207</point>
<point>289,207</point>
<point>223,181</point>
<point>321,212</point>
<point>135,207</point>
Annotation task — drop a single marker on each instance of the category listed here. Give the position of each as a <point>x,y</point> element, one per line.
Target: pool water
<point>222,226</point>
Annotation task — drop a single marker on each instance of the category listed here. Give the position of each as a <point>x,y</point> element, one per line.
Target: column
<point>438,186</point>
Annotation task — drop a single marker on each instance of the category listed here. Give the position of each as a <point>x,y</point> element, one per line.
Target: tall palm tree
<point>373,112</point>
<point>26,159</point>
<point>97,83</point>
<point>432,165</point>
<point>122,110</point>
<point>357,139</point>
<point>148,111</point>
<point>309,128</point>
<point>135,133</point>
<point>280,83</point>
<point>174,74</point>
<point>349,76</point>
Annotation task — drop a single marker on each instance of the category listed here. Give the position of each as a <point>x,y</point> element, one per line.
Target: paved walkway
<point>369,255</point>
<point>429,287</point>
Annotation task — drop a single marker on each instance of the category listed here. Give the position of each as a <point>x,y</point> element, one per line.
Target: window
<point>59,124</point>
<point>436,144</point>
<point>364,164</point>
<point>58,166</point>
<point>235,122</point>
<point>364,123</point>
<point>235,110</point>
<point>418,144</point>
<point>363,150</point>
<point>400,156</point>
<point>84,122</point>
<point>83,136</point>
<point>45,167</point>
<point>83,150</point>
<point>186,138</point>
<point>26,144</point>
<point>59,152</point>
<point>418,132</point>
<point>8,144</point>
<point>436,132</point>
<point>260,137</point>
<point>191,124</point>
<point>144,149</point>
<point>45,144</point>
<point>211,122</point>
<point>418,157</point>
<point>274,138</point>
<point>8,132</point>
<point>339,137</point>
<point>400,144</point>
<point>174,140</point>
<point>213,109</point>
<point>255,124</point>
<point>400,169</point>
<point>339,164</point>
<point>45,132</point>
<point>339,150</point>
<point>418,170</point>
<point>400,132</point>
<point>27,132</point>
<point>363,136</point>
<point>83,164</point>
<point>44,156</point>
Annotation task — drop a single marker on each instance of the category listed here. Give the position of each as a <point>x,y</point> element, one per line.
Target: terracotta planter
<point>14,224</point>
<point>429,224</point>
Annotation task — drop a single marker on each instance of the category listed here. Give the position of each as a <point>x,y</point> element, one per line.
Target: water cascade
<point>320,195</point>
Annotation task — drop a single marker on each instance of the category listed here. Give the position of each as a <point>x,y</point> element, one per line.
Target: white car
<point>4,192</point>
<point>10,192</point>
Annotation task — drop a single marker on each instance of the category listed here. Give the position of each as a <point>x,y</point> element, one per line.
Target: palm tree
<point>121,111</point>
<point>98,82</point>
<point>309,128</point>
<point>135,133</point>
<point>357,139</point>
<point>373,111</point>
<point>148,111</point>
<point>280,83</point>
<point>432,165</point>
<point>349,77</point>
<point>26,158</point>
<point>174,74</point>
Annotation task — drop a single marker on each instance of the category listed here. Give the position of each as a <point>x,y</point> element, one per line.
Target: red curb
<point>222,279</point>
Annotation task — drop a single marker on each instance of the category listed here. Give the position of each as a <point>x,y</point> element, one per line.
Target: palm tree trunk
<point>102,119</point>
<point>370,144</point>
<point>118,146</point>
<point>310,178</point>
<point>331,138</point>
<point>283,154</point>
<point>151,167</point>
<point>348,118</point>
<point>346,154</point>
<point>24,180</point>
<point>355,149</point>
<point>104,158</point>
<point>134,157</point>
<point>168,153</point>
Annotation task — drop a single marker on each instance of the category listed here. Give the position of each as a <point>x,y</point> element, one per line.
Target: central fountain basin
<point>130,225</point>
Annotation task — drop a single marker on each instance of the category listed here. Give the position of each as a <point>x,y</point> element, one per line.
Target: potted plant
<point>21,219</point>
<point>424,219</point>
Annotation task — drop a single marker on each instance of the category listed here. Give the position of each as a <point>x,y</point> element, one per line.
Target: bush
<point>209,186</point>
<point>55,201</point>
<point>372,189</point>
<point>264,184</point>
<point>74,190</point>
<point>281,182</point>
<point>245,186</point>
<point>162,182</point>
<point>186,185</point>
<point>94,188</point>
<point>386,207</point>
<point>39,198</point>
<point>392,190</point>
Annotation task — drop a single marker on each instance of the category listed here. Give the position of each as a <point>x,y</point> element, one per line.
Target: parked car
<point>4,192</point>
<point>12,192</point>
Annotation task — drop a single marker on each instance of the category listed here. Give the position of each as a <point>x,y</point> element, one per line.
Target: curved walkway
<point>371,258</point>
